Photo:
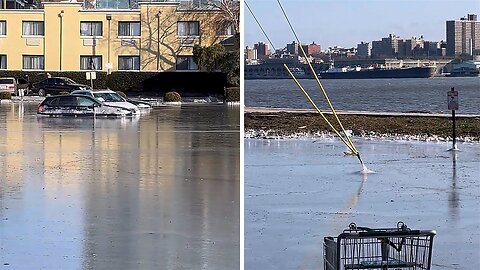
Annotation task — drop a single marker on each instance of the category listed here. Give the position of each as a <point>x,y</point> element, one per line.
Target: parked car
<point>111,98</point>
<point>57,85</point>
<point>13,85</point>
<point>78,105</point>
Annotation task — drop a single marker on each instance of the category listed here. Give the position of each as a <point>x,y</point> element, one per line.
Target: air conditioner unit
<point>188,41</point>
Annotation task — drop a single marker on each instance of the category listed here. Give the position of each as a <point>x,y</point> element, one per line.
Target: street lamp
<point>158,39</point>
<point>109,18</point>
<point>60,15</point>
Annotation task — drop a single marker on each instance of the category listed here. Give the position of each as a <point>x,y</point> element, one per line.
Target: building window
<point>128,29</point>
<point>91,29</point>
<point>186,63</point>
<point>226,30</point>
<point>90,62</point>
<point>31,28</point>
<point>3,28</point>
<point>129,63</point>
<point>33,62</point>
<point>185,29</point>
<point>3,62</point>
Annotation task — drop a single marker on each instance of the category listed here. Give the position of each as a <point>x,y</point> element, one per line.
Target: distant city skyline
<point>346,22</point>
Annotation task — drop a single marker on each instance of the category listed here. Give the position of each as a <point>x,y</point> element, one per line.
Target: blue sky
<point>347,22</point>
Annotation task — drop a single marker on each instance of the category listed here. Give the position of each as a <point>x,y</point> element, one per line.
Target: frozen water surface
<point>299,190</point>
<point>160,191</point>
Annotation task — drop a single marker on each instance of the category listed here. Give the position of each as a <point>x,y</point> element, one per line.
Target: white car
<point>13,85</point>
<point>111,98</point>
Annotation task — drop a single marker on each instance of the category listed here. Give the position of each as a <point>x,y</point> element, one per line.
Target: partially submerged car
<point>78,105</point>
<point>112,98</point>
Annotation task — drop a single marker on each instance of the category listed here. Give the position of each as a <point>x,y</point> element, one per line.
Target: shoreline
<point>281,123</point>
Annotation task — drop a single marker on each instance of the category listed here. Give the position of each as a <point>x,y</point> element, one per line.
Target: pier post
<point>452,101</point>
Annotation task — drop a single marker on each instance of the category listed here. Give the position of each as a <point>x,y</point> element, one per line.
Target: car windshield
<point>109,97</point>
<point>6,81</point>
<point>68,80</point>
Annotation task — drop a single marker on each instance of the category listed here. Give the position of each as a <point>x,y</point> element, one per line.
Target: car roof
<point>80,91</point>
<point>102,90</point>
<point>71,95</point>
<point>97,91</point>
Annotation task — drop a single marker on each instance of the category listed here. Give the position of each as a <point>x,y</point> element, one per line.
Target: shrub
<point>122,94</point>
<point>172,97</point>
<point>232,94</point>
<point>5,95</point>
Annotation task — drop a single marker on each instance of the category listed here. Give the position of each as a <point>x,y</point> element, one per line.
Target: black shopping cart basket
<point>386,248</point>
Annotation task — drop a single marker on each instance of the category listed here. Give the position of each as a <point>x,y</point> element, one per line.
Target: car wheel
<point>41,92</point>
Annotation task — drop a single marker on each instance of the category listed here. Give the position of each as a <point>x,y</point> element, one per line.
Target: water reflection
<point>156,192</point>
<point>453,196</point>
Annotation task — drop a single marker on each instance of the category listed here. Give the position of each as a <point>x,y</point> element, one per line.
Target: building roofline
<point>39,11</point>
<point>158,3</point>
<point>62,3</point>
<point>110,10</point>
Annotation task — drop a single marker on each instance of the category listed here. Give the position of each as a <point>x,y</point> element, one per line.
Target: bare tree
<point>229,13</point>
<point>160,45</point>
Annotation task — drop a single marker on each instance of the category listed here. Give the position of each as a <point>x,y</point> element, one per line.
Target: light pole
<point>158,39</point>
<point>109,19</point>
<point>60,15</point>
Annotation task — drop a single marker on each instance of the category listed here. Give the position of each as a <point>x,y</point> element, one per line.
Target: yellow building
<point>63,36</point>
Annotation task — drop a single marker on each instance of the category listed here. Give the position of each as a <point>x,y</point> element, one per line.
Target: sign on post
<point>91,75</point>
<point>452,100</point>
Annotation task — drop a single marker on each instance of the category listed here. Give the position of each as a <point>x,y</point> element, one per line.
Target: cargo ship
<point>377,73</point>
<point>255,72</point>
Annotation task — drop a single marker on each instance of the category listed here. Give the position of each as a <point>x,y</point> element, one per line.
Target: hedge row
<point>5,95</point>
<point>186,83</point>
<point>232,94</point>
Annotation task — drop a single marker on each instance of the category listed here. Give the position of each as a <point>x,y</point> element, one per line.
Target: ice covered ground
<point>158,191</point>
<point>299,190</point>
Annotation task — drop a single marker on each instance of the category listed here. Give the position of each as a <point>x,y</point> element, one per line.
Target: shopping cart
<point>386,248</point>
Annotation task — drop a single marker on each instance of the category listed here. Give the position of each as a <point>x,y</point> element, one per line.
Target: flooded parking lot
<point>159,191</point>
<point>298,191</point>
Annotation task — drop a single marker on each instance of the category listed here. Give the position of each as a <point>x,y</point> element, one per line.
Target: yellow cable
<point>316,78</point>
<point>354,151</point>
<point>326,98</point>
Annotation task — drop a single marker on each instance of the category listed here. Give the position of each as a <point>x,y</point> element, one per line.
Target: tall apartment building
<point>432,48</point>
<point>263,50</point>
<point>364,49</point>
<point>463,36</point>
<point>387,47</point>
<point>292,48</point>
<point>314,49</point>
<point>250,53</point>
<point>310,49</point>
<point>413,47</point>
<point>63,36</point>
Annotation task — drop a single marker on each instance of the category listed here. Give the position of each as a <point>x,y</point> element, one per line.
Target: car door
<point>86,105</point>
<point>49,86</point>
<point>68,105</point>
<point>61,85</point>
<point>51,106</point>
